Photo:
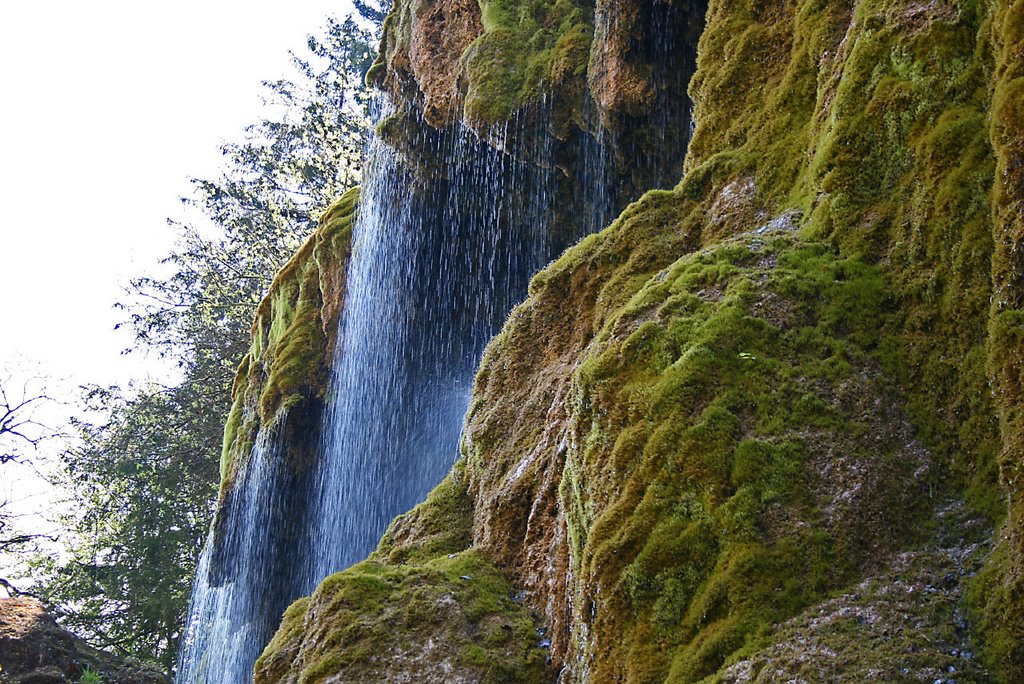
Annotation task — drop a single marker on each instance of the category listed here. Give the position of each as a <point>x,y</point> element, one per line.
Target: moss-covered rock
<point>528,49</point>
<point>1000,594</point>
<point>872,121</point>
<point>749,392</point>
<point>283,379</point>
<point>889,124</point>
<point>570,69</point>
<point>423,607</point>
<point>421,52</point>
<point>903,624</point>
<point>726,446</point>
<point>484,61</point>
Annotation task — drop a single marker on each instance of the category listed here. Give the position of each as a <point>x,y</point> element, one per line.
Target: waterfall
<point>443,248</point>
<point>444,245</point>
<point>243,570</point>
<point>437,264</point>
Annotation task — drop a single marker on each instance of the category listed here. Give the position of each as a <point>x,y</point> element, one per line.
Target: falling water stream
<point>443,248</point>
<point>438,260</point>
<point>434,272</point>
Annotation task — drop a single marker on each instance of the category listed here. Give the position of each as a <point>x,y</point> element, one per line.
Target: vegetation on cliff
<point>885,126</point>
<point>758,388</point>
<point>284,374</point>
<point>527,50</point>
<point>572,65</point>
<point>510,53</point>
<point>424,604</point>
<point>727,451</point>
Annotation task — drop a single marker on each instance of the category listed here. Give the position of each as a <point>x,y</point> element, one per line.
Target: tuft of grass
<point>90,677</point>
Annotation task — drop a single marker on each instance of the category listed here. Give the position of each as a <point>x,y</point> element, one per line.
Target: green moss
<point>292,337</point>
<point>894,129</point>
<point>1003,612</point>
<point>441,525</point>
<point>900,625</point>
<point>527,49</point>
<point>993,600</point>
<point>295,347</point>
<point>452,612</point>
<point>712,376</point>
<point>291,624</point>
<point>234,422</point>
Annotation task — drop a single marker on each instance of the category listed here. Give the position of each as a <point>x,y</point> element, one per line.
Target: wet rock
<point>909,634</point>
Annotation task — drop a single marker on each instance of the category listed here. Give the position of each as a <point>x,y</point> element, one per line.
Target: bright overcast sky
<point>108,107</point>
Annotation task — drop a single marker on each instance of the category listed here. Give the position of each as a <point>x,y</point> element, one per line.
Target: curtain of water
<point>442,250</point>
<point>436,266</point>
<point>243,570</point>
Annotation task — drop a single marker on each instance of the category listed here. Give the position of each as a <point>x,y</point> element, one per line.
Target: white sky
<point>107,107</point>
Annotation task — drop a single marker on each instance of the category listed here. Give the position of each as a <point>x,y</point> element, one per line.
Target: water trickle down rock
<point>452,222</point>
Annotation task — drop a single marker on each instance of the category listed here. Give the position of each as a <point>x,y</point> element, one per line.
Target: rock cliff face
<point>722,437</point>
<point>615,72</point>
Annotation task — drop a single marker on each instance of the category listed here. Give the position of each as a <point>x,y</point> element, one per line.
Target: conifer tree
<point>142,474</point>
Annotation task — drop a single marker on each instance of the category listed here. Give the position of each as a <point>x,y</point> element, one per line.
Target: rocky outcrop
<point>423,45</point>
<point>34,649</point>
<point>283,378</point>
<point>483,61</point>
<point>570,74</point>
<point>710,436</point>
<point>423,606</point>
<point>718,425</point>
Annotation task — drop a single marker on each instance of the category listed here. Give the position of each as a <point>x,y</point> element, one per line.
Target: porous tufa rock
<point>711,416</point>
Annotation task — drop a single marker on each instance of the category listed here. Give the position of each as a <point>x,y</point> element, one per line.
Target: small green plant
<point>90,677</point>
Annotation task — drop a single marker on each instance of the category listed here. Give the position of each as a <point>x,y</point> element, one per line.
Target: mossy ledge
<point>758,390</point>
<point>499,57</point>
<point>282,381</point>
<point>423,607</point>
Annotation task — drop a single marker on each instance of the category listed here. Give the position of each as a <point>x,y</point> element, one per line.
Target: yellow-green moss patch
<point>292,337</point>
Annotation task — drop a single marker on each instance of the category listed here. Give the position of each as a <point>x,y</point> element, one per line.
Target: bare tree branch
<point>19,427</point>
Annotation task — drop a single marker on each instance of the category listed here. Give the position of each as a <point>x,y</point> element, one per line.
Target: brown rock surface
<point>441,33</point>
<point>34,648</point>
<point>423,47</point>
<point>619,80</point>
